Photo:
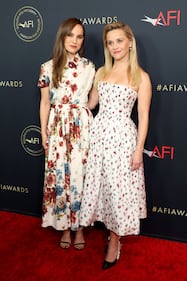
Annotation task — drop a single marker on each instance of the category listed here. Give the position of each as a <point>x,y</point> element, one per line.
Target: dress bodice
<point>115,99</point>
<point>75,84</point>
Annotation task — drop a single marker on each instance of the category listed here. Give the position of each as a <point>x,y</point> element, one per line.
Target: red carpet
<point>31,253</point>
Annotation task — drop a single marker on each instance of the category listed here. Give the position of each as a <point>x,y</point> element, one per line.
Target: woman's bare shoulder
<point>144,75</point>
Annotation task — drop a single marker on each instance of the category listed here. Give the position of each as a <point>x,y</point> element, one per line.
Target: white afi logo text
<point>172,16</point>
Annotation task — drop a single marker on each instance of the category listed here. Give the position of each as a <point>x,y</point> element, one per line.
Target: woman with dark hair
<point>65,82</point>
<point>114,191</point>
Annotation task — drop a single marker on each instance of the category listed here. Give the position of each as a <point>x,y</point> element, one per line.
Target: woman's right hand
<point>45,140</point>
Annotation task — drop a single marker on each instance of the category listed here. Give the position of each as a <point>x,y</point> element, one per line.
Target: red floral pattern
<point>113,193</point>
<point>68,143</point>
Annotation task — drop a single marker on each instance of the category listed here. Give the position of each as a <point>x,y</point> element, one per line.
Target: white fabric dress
<point>113,194</point>
<point>68,143</point>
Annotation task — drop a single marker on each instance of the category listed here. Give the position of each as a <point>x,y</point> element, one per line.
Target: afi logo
<point>163,152</point>
<point>171,15</point>
<point>33,140</point>
<point>27,24</point>
<point>165,20</point>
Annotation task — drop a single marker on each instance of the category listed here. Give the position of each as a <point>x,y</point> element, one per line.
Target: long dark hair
<point>59,52</point>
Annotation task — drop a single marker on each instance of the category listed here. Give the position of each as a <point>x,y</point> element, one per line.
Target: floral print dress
<point>113,193</point>
<point>68,143</point>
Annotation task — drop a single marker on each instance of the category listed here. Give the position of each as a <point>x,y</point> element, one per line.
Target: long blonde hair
<point>59,52</point>
<point>133,71</point>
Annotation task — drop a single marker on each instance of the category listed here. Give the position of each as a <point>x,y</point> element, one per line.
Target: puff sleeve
<point>44,76</point>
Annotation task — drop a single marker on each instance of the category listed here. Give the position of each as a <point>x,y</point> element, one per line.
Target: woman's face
<point>118,44</point>
<point>73,41</point>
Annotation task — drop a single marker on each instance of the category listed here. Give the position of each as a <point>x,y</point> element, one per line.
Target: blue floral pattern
<point>66,156</point>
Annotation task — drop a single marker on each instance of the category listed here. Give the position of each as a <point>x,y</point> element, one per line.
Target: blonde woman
<point>114,191</point>
<point>65,82</point>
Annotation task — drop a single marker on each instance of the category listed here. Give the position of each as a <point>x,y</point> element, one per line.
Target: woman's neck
<point>121,65</point>
<point>71,56</point>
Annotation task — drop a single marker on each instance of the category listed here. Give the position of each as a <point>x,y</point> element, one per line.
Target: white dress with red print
<point>68,142</point>
<point>113,193</point>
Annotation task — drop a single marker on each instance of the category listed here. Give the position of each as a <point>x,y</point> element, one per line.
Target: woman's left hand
<point>136,160</point>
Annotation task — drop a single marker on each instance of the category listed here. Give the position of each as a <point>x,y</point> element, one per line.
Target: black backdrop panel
<point>27,36</point>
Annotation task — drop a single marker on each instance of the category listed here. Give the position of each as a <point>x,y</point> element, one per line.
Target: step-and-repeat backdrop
<point>27,33</point>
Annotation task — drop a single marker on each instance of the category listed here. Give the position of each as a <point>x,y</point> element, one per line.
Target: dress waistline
<point>71,105</point>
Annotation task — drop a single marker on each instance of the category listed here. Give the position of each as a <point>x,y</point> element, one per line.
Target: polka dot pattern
<point>113,194</point>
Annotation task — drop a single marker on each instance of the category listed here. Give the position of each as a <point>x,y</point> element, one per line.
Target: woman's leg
<point>113,251</point>
<point>65,240</point>
<point>79,242</point>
